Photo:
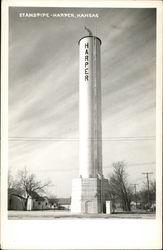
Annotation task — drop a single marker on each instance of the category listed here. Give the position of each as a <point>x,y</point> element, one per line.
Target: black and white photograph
<point>82,124</point>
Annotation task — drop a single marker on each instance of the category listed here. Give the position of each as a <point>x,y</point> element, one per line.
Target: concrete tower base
<point>89,195</point>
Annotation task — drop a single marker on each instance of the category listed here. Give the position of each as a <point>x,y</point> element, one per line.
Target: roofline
<point>90,36</point>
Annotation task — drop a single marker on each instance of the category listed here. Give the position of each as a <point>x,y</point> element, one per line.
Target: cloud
<point>43,89</point>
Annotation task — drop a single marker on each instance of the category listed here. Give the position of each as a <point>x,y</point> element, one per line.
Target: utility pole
<point>147,176</point>
<point>135,193</point>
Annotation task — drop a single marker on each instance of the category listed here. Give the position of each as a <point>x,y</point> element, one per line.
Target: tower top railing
<point>90,36</point>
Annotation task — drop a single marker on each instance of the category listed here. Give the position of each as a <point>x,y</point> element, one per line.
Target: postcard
<point>81,125</point>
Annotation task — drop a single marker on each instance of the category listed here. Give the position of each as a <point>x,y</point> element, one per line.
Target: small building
<point>15,201</point>
<point>41,203</point>
<point>34,201</point>
<point>64,203</point>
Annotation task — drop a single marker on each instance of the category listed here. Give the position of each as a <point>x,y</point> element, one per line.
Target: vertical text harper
<point>86,62</point>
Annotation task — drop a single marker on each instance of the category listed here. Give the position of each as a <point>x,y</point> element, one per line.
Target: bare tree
<point>11,182</point>
<point>143,195</point>
<point>27,183</point>
<point>118,185</point>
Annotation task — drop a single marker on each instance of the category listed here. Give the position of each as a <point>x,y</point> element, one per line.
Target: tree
<point>11,182</point>
<point>143,195</point>
<point>152,190</point>
<point>27,183</point>
<point>118,185</point>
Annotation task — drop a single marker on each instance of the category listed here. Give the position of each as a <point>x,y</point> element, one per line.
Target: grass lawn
<point>54,214</point>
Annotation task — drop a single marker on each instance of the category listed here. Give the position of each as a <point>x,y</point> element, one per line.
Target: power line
<point>72,169</point>
<point>58,170</point>
<point>135,164</point>
<point>139,179</point>
<point>140,138</point>
<point>108,167</point>
<point>114,139</point>
<point>140,164</point>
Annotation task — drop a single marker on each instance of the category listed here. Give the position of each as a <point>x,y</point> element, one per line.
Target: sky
<point>43,119</point>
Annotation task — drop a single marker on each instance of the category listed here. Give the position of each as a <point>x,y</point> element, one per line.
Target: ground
<point>51,214</point>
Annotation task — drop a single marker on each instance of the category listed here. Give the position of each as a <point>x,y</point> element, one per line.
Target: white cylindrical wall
<point>90,107</point>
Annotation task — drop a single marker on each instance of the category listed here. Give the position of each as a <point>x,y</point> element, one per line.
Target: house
<point>135,205</point>
<point>64,203</point>
<point>41,203</point>
<point>34,201</point>
<point>15,201</point>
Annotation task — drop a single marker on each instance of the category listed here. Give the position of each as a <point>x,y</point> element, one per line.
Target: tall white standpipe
<point>90,107</point>
<point>90,191</point>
